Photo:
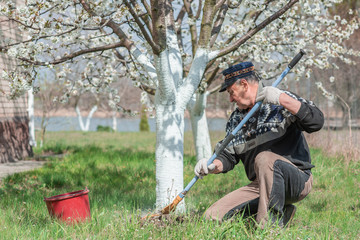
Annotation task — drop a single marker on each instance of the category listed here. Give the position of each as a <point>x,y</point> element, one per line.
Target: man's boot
<point>289,212</point>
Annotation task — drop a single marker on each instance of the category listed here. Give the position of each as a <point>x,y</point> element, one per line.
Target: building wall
<point>14,122</point>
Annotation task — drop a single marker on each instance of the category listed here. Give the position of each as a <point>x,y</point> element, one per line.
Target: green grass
<point>119,170</point>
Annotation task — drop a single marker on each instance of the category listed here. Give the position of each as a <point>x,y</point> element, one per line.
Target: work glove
<point>202,169</point>
<point>269,95</point>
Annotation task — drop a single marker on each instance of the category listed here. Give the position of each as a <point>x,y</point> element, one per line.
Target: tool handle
<point>296,59</point>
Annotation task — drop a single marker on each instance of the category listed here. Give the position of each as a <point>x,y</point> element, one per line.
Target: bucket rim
<point>67,195</point>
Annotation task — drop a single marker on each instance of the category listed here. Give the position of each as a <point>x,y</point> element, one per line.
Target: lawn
<point>119,171</point>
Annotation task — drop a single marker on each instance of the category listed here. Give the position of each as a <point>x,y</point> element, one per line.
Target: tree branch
<point>158,13</point>
<point>218,23</point>
<point>148,14</point>
<point>198,13</point>
<point>258,13</point>
<point>147,89</point>
<point>207,22</point>
<point>193,30</point>
<point>48,10</point>
<point>73,55</point>
<point>21,23</point>
<point>111,24</point>
<point>147,7</point>
<point>180,16</point>
<point>146,35</point>
<point>215,89</point>
<point>213,73</point>
<point>2,48</point>
<point>253,31</point>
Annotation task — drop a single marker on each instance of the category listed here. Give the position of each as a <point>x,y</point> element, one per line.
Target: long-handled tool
<point>171,207</point>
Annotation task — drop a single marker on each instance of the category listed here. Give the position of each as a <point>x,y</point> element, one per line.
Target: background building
<point>14,121</point>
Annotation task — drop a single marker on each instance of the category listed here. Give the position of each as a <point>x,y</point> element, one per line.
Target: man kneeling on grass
<point>271,146</point>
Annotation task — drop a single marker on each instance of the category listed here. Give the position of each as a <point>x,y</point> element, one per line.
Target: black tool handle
<point>296,59</point>
<point>224,144</point>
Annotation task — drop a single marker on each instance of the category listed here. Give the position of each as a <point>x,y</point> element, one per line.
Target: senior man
<point>271,146</point>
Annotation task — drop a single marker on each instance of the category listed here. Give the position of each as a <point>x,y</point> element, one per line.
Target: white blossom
<point>325,93</point>
<point>307,25</point>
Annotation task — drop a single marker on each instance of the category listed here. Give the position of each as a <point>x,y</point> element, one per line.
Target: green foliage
<point>144,124</point>
<point>121,180</point>
<point>101,128</point>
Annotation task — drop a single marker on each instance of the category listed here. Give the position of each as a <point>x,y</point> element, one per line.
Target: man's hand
<point>202,169</point>
<point>269,95</point>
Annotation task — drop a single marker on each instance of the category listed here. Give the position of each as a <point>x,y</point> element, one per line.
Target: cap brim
<point>232,81</point>
<point>225,85</point>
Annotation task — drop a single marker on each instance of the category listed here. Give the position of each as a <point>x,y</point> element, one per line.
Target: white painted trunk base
<point>169,155</point>
<point>114,122</point>
<point>32,140</point>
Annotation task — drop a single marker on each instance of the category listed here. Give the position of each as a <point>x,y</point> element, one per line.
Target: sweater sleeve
<point>228,160</point>
<point>309,118</point>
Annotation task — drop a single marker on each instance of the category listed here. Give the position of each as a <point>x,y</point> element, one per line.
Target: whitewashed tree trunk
<point>114,121</point>
<point>169,155</point>
<point>85,127</point>
<point>32,140</point>
<point>171,99</point>
<point>172,95</point>
<point>169,127</point>
<point>200,129</point>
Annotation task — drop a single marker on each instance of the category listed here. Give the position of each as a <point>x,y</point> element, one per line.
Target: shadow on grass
<point>319,206</point>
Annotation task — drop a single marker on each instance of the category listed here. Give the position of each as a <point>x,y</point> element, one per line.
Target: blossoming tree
<point>313,26</point>
<point>174,48</point>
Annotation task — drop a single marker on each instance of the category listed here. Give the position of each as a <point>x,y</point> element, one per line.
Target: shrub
<point>101,128</point>
<point>144,124</point>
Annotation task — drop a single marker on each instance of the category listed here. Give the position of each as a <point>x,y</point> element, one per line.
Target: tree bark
<point>199,125</point>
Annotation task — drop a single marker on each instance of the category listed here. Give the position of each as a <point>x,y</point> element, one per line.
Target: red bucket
<point>70,207</point>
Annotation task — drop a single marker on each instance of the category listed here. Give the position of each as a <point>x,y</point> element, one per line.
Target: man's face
<point>239,93</point>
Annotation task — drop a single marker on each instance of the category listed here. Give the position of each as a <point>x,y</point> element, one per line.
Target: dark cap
<point>235,72</point>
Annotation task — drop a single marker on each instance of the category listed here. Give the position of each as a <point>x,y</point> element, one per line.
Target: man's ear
<point>244,83</point>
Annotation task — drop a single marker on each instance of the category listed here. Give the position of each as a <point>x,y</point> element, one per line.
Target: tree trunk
<point>169,129</point>
<point>43,127</point>
<point>169,155</point>
<point>171,98</point>
<point>114,121</point>
<point>32,140</point>
<point>85,127</point>
<point>199,125</point>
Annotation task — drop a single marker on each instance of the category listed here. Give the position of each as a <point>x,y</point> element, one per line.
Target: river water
<point>123,124</point>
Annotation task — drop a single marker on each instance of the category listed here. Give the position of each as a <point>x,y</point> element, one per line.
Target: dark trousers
<point>278,183</point>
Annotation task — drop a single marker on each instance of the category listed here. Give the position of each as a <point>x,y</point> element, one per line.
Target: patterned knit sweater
<point>271,128</point>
